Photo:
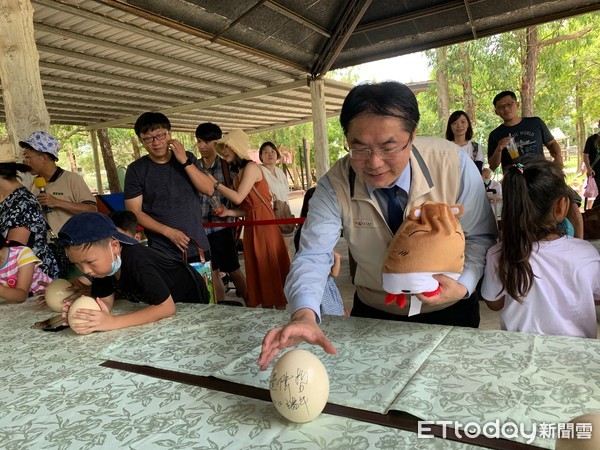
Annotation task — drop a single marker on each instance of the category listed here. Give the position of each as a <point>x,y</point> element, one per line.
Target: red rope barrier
<point>249,223</point>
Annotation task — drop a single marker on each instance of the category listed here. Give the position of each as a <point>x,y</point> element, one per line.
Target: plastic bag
<point>591,188</point>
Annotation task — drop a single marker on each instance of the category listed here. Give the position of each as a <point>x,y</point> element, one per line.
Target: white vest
<point>435,167</point>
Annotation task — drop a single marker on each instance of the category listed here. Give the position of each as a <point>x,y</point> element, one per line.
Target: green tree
<point>567,64</point>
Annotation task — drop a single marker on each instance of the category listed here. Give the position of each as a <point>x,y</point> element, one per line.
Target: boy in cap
<point>65,193</point>
<point>116,261</point>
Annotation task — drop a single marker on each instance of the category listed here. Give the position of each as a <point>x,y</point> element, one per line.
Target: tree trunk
<point>441,77</point>
<point>136,148</point>
<point>20,72</point>
<point>579,122</point>
<point>72,159</point>
<point>467,82</point>
<point>532,51</point>
<point>109,161</point>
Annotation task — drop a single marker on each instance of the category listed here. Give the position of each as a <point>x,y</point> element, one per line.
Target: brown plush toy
<point>429,241</point>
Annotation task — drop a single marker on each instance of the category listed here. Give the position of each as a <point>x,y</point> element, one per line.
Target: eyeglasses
<point>505,106</point>
<point>158,137</point>
<point>362,154</point>
<point>28,157</point>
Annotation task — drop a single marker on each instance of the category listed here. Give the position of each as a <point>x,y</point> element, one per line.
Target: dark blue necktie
<point>394,208</point>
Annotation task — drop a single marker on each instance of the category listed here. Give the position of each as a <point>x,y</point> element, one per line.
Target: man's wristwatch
<point>187,162</point>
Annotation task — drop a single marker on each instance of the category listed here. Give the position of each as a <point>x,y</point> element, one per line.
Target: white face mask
<point>487,181</point>
<point>116,265</point>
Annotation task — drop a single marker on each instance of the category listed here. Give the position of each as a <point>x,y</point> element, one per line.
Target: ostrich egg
<point>83,302</point>
<point>56,292</point>
<point>299,386</point>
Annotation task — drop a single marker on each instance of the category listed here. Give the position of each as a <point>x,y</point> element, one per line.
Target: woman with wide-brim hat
<point>266,257</point>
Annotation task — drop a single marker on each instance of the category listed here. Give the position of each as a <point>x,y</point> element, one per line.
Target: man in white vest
<point>379,123</point>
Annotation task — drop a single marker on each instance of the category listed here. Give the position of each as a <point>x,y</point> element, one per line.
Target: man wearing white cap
<point>65,193</point>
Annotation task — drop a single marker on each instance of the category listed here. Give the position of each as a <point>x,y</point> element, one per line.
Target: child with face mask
<point>116,261</point>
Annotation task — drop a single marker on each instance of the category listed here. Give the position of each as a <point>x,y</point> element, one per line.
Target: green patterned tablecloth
<point>55,395</point>
<point>433,372</point>
<point>372,366</point>
<point>486,375</point>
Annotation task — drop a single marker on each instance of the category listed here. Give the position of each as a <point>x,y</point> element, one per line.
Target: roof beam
<point>126,26</point>
<point>195,32</point>
<point>417,14</point>
<point>297,18</point>
<point>343,30</point>
<point>115,78</point>
<point>124,93</point>
<point>101,62</point>
<point>236,21</point>
<point>148,55</point>
<point>470,16</point>
<point>211,102</point>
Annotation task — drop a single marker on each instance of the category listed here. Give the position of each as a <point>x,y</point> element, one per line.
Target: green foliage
<point>496,66</point>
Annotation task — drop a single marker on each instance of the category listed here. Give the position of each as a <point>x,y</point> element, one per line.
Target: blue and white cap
<point>42,142</point>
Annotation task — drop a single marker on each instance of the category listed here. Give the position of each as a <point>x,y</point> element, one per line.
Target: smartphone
<point>54,323</point>
<point>57,327</point>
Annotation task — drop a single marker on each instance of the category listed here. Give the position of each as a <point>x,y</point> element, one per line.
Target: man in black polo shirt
<point>162,189</point>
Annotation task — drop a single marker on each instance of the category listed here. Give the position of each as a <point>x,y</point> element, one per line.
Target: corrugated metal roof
<point>244,63</point>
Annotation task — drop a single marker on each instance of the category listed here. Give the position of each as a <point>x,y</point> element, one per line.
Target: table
<point>56,394</point>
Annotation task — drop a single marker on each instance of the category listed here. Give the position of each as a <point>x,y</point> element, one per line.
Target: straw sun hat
<point>7,158</point>
<point>236,140</point>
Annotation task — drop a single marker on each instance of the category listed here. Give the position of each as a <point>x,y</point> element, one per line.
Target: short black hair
<point>126,221</point>
<point>9,170</point>
<point>505,94</point>
<point>151,121</point>
<point>265,145</point>
<point>389,98</point>
<point>208,132</point>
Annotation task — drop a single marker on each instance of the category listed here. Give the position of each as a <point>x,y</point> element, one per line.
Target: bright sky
<point>406,69</point>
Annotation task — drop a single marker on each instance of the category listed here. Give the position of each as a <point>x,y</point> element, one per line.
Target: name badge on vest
<point>363,223</point>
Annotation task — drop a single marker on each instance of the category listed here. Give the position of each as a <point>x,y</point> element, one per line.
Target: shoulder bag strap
<point>198,248</point>
<point>226,173</point>
<point>262,199</point>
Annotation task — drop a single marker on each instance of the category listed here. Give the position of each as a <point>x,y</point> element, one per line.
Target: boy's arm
<point>151,313</point>
<point>103,320</point>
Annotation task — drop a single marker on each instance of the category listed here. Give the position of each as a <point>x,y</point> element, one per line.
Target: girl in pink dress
<point>20,273</point>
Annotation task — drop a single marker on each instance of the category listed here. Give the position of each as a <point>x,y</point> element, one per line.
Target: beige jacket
<point>435,166</point>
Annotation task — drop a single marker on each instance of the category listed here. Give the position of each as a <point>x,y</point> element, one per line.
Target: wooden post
<point>320,139</point>
<point>20,72</point>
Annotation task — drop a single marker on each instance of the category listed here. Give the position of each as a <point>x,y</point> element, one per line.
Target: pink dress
<point>20,256</point>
